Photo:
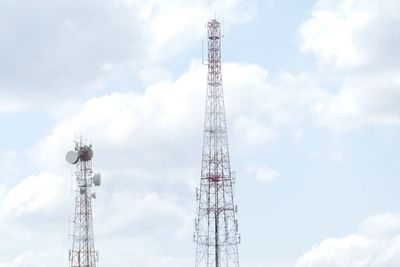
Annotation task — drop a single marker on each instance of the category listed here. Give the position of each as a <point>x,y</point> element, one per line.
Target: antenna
<point>216,228</point>
<point>83,253</point>
<point>72,157</point>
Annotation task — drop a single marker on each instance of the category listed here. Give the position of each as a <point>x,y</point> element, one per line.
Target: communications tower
<point>83,253</point>
<point>216,228</point>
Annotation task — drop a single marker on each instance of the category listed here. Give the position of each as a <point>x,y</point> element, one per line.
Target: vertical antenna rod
<point>216,228</point>
<point>83,253</point>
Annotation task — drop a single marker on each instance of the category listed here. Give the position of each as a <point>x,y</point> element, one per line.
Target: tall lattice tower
<point>216,226</point>
<point>83,253</point>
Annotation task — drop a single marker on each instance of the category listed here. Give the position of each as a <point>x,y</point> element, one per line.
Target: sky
<point>312,93</point>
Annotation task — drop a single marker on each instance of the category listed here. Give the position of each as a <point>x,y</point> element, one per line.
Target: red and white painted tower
<point>216,228</point>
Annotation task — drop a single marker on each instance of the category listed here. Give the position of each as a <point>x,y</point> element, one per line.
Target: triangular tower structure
<point>83,253</point>
<point>216,225</point>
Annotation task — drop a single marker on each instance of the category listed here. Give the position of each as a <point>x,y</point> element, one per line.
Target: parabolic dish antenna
<point>72,157</point>
<point>97,179</point>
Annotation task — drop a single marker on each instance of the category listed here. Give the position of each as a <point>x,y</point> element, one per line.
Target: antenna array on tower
<point>83,253</point>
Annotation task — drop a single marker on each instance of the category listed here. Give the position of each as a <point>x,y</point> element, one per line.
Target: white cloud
<point>163,124</point>
<point>348,34</point>
<point>131,128</point>
<point>362,101</point>
<point>260,107</point>
<point>178,24</point>
<point>9,106</point>
<point>35,259</point>
<point>330,33</point>
<point>32,194</point>
<point>375,244</point>
<point>264,174</point>
<point>71,50</point>
<point>355,44</point>
<point>384,225</point>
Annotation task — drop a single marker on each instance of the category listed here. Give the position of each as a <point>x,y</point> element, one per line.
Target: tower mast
<point>83,253</point>
<point>216,228</point>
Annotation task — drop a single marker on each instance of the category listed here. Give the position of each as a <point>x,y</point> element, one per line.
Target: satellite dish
<point>97,179</point>
<point>72,157</point>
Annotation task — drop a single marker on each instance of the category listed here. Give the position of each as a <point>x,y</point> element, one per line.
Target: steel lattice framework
<point>83,253</point>
<point>216,228</point>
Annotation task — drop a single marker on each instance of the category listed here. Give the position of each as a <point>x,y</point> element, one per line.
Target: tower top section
<point>214,56</point>
<point>214,29</point>
<point>81,153</point>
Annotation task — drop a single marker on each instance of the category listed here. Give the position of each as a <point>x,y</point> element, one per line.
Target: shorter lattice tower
<point>83,253</point>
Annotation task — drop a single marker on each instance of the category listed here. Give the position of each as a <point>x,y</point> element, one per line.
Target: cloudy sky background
<point>312,92</point>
